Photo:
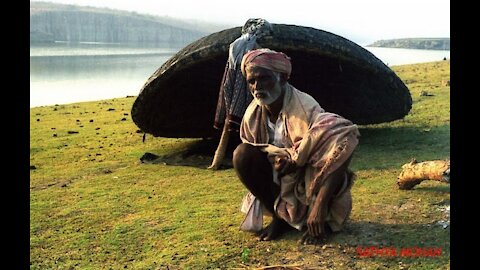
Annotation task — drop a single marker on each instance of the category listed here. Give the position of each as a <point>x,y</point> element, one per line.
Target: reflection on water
<point>63,73</point>
<point>397,56</point>
<point>102,67</point>
<point>66,73</point>
<point>97,48</point>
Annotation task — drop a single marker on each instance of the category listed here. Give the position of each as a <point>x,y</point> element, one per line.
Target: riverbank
<point>95,205</point>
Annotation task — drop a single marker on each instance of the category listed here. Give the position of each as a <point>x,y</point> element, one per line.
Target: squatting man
<point>294,156</point>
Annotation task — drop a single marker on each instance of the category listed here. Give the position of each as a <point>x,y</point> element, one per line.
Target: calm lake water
<point>63,73</point>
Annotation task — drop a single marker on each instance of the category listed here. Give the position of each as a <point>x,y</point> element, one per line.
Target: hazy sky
<point>362,21</point>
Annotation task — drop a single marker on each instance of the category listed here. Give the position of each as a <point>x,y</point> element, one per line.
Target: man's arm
<point>330,187</point>
<point>318,214</point>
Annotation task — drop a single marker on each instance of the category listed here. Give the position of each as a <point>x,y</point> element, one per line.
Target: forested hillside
<point>55,22</point>
<point>415,43</point>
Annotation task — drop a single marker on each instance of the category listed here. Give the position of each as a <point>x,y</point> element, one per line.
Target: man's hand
<point>307,239</point>
<point>315,233</point>
<point>284,165</point>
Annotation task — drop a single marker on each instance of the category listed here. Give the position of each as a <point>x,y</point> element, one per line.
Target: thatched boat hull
<point>179,99</point>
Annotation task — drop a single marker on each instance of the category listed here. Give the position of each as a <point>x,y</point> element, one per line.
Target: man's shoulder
<point>304,94</point>
<point>304,97</point>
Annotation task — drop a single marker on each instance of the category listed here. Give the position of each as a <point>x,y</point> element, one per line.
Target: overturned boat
<point>179,99</point>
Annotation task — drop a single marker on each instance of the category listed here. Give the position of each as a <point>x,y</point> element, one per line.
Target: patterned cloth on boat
<point>234,97</point>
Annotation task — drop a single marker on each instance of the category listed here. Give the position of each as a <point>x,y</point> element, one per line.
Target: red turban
<point>266,58</point>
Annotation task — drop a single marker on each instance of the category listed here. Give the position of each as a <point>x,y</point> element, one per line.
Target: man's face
<point>264,85</point>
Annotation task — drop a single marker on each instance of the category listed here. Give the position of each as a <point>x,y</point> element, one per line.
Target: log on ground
<point>414,172</point>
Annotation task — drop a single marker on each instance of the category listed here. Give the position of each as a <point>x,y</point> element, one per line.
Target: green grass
<point>94,205</point>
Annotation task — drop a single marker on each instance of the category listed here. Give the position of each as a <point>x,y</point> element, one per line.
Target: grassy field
<point>94,205</point>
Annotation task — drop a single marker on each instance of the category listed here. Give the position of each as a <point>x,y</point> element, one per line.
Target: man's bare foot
<point>276,228</point>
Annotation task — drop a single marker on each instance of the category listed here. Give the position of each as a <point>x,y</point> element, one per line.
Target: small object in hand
<point>284,165</point>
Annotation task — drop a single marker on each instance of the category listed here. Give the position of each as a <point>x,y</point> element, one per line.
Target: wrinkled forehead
<point>255,71</point>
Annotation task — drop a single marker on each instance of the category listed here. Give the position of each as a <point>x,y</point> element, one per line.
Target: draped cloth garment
<point>318,141</point>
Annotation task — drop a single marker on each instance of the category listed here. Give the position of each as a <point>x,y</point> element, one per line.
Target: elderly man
<point>294,156</point>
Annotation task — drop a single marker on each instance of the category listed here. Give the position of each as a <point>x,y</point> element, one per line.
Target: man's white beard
<point>269,96</point>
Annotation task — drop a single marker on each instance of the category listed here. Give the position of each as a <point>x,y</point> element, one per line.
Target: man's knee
<point>242,155</point>
<point>342,169</point>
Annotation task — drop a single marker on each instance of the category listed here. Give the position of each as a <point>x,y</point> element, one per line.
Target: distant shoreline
<point>414,43</point>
